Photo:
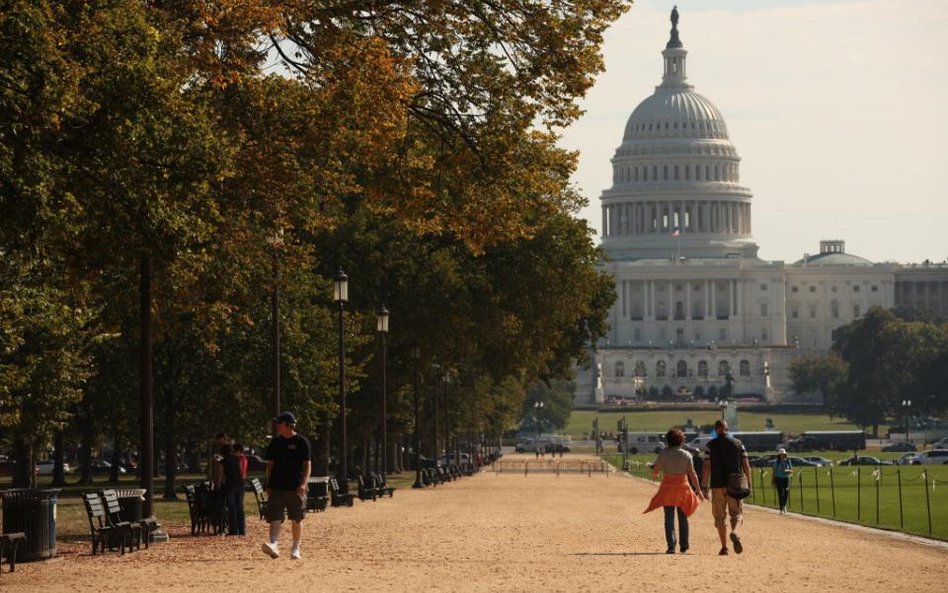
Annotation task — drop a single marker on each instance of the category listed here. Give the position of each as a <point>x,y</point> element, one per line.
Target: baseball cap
<point>285,418</point>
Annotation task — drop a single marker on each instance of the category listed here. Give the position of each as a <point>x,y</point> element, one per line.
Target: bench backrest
<point>95,511</point>
<point>317,488</point>
<point>112,506</point>
<point>257,486</point>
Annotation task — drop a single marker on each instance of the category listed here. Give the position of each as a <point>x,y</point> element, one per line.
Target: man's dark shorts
<point>289,501</point>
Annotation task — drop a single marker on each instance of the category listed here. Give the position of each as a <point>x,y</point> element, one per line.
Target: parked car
<point>864,460</point>
<point>899,446</point>
<point>905,458</point>
<point>820,461</point>
<point>931,457</point>
<point>255,463</point>
<point>100,466</point>
<point>45,467</point>
<point>802,462</point>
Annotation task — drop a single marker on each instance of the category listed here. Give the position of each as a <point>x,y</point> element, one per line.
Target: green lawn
<point>580,421</point>
<point>850,494</point>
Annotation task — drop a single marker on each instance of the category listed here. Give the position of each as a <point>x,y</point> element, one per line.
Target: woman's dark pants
<point>670,527</point>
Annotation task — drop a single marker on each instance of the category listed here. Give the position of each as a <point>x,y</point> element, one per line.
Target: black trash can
<point>34,513</point>
<point>130,500</point>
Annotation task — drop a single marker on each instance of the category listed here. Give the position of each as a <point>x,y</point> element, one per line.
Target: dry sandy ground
<point>508,533</point>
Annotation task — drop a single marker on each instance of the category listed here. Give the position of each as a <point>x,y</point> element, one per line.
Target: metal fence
<point>550,466</point>
<point>911,499</point>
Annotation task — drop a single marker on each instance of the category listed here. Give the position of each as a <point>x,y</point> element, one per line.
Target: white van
<point>701,442</point>
<point>643,442</point>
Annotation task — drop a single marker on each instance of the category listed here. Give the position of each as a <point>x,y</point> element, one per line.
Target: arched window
<point>644,173</point>
<point>702,368</point>
<point>620,369</point>
<point>640,369</point>
<point>660,368</point>
<point>681,369</point>
<point>698,172</point>
<point>636,173</point>
<point>676,172</point>
<point>665,172</point>
<point>654,172</point>
<point>745,368</point>
<point>723,368</point>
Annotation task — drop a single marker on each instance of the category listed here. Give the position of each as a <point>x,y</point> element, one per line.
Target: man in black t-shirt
<point>725,455</point>
<point>288,468</point>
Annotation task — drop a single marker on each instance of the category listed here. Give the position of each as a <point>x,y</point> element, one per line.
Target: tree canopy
<point>242,145</point>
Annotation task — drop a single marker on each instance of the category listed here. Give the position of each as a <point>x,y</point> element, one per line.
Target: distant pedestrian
<point>725,455</point>
<point>783,471</point>
<point>215,475</point>
<point>676,494</point>
<point>288,468</point>
<point>231,489</point>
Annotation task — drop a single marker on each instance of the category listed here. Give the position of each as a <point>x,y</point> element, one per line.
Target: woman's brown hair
<point>674,437</point>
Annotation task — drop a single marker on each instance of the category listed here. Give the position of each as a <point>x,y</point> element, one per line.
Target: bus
<point>768,440</point>
<point>832,440</point>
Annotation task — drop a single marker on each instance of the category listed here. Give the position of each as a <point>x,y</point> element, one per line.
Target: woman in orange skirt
<point>676,494</point>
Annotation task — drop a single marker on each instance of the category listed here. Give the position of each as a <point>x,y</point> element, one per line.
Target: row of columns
<point>691,216</point>
<point>647,305</point>
<point>727,172</point>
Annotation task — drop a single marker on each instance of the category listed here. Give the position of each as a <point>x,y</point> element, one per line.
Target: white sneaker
<point>270,550</point>
<point>295,554</point>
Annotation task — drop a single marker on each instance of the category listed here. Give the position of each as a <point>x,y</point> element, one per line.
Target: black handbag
<point>737,486</point>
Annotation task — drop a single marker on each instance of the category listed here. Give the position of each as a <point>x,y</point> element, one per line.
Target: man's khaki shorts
<point>289,501</point>
<point>722,505</point>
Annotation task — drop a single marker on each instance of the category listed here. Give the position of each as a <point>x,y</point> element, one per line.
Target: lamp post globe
<point>537,406</point>
<point>341,297</point>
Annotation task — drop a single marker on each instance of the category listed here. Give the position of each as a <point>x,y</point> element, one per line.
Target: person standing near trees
<point>231,490</point>
<point>725,455</point>
<point>783,470</point>
<point>288,468</point>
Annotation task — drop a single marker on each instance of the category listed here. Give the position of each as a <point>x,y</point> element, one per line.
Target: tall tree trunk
<point>322,448</point>
<point>116,460</point>
<point>171,456</point>
<point>87,432</point>
<point>59,472</point>
<point>24,465</point>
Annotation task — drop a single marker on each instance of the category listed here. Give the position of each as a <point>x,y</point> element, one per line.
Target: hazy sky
<point>837,109</point>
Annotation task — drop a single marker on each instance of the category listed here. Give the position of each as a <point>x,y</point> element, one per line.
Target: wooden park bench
<point>338,496</point>
<point>381,486</point>
<point>367,488</point>
<point>200,520</point>
<point>114,512</point>
<point>9,543</point>
<point>148,525</point>
<point>260,494</point>
<point>104,533</point>
<point>317,494</point>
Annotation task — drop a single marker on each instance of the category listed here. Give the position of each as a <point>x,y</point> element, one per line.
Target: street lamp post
<point>382,327</point>
<point>537,406</point>
<point>906,406</point>
<point>415,355</point>
<point>341,296</point>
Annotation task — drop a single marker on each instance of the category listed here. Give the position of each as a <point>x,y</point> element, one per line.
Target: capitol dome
<point>676,188</point>
<point>675,113</point>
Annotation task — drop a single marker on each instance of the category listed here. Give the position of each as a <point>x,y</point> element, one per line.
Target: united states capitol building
<point>696,307</point>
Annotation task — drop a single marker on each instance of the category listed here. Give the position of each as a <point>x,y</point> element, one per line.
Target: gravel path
<point>508,533</point>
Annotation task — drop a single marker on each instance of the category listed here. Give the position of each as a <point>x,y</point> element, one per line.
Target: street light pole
<point>382,327</point>
<point>415,355</point>
<point>341,296</point>
<point>906,405</point>
<point>537,406</point>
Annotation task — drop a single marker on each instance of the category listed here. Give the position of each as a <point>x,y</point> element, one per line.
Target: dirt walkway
<point>508,533</point>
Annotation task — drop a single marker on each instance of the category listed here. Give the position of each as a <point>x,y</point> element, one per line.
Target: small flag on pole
<point>676,231</point>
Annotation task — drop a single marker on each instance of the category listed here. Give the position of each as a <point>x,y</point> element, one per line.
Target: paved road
<point>510,533</point>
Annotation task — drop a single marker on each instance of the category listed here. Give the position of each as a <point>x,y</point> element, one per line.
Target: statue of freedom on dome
<point>674,17</point>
